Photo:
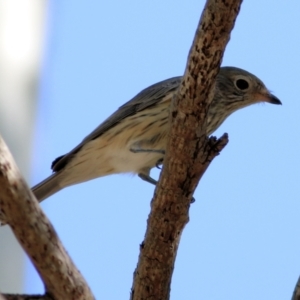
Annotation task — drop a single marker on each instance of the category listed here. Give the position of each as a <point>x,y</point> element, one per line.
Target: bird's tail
<point>47,187</point>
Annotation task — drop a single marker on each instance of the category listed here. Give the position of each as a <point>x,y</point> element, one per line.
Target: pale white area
<point>21,40</point>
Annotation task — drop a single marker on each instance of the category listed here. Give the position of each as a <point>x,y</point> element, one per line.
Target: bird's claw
<point>158,163</point>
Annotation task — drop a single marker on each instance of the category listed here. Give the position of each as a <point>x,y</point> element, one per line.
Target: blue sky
<point>242,240</point>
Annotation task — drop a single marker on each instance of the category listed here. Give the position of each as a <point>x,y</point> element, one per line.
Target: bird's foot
<point>158,163</point>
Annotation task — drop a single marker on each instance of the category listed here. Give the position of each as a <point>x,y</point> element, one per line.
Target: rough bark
<point>189,152</point>
<point>296,293</point>
<point>26,297</point>
<point>20,209</point>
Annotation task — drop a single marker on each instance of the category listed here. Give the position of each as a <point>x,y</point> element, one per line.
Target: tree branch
<point>26,297</point>
<point>296,293</point>
<point>2,297</point>
<point>20,209</point>
<point>189,152</point>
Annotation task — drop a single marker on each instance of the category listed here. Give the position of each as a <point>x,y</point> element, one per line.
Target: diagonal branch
<point>26,297</point>
<point>189,152</point>
<point>20,209</point>
<point>296,292</point>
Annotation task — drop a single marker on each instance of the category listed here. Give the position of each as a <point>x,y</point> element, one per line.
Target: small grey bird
<point>133,139</point>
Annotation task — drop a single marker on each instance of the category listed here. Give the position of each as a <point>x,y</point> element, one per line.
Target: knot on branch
<point>215,146</point>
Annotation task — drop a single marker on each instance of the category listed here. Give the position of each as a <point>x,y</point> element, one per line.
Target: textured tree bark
<point>26,297</point>
<point>20,209</point>
<point>189,152</point>
<point>1,297</point>
<point>296,293</point>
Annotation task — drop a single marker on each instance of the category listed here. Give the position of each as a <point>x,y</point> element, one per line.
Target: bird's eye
<point>242,84</point>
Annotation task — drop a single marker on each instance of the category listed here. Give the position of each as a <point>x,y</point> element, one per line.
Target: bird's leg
<point>147,178</point>
<point>144,175</point>
<point>145,146</point>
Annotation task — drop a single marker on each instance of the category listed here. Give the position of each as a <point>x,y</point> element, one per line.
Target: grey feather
<point>145,99</point>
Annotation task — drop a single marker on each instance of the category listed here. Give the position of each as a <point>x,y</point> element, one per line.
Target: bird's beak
<point>268,97</point>
<point>273,99</point>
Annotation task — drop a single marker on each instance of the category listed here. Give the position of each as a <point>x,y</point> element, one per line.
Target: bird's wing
<point>145,99</point>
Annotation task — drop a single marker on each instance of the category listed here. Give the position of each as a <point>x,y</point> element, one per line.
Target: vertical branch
<point>189,152</point>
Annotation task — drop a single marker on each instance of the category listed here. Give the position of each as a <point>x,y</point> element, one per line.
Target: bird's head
<point>236,88</point>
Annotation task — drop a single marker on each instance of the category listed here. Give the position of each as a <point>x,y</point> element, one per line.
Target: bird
<point>133,139</point>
